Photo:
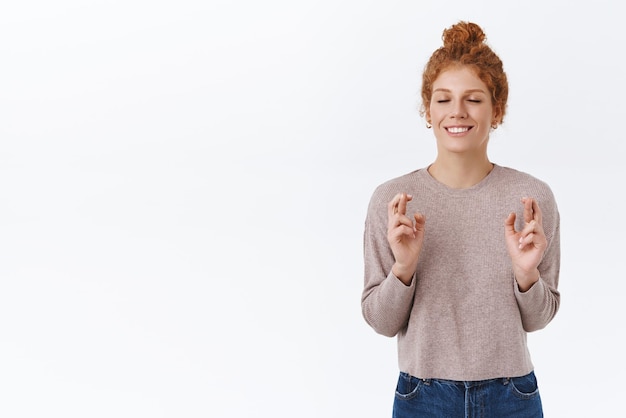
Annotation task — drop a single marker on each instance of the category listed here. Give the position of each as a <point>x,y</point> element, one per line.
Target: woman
<point>462,257</point>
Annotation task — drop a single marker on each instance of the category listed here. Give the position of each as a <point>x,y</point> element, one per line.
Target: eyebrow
<point>466,91</point>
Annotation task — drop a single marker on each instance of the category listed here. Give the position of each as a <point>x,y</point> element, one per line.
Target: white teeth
<point>455,130</point>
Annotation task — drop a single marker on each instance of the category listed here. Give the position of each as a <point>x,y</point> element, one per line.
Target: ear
<point>497,114</point>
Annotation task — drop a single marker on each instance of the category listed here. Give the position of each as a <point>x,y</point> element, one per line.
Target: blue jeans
<point>509,397</point>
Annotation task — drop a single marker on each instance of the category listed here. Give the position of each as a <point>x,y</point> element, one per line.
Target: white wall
<point>183,187</point>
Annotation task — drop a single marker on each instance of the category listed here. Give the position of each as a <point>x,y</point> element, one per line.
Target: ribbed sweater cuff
<point>397,282</point>
<point>533,296</point>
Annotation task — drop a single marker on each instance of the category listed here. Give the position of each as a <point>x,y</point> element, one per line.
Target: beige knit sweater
<point>463,316</point>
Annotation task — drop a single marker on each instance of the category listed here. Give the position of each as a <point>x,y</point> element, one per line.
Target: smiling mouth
<point>458,130</point>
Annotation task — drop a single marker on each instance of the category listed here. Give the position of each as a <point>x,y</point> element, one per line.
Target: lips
<point>458,129</point>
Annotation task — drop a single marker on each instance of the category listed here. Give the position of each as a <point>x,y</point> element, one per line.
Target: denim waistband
<point>463,383</point>
<point>468,383</point>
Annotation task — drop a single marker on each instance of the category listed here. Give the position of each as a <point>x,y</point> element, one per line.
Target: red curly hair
<point>464,45</point>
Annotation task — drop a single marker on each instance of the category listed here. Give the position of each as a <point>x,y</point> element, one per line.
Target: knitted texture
<point>463,316</point>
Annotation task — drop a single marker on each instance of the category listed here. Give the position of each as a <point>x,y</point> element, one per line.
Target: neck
<point>460,174</point>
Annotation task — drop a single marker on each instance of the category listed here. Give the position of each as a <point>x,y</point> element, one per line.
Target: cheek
<point>434,114</point>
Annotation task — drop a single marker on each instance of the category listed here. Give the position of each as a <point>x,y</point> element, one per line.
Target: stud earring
<point>428,125</point>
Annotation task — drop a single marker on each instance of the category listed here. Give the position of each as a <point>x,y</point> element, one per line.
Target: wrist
<point>525,280</point>
<point>404,274</point>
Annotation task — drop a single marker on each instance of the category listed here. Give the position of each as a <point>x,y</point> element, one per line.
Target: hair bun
<point>464,35</point>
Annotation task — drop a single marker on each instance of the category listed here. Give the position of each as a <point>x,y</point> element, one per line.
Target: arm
<point>535,256</point>
<point>391,247</point>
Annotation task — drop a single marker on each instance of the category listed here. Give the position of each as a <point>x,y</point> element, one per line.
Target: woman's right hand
<point>405,237</point>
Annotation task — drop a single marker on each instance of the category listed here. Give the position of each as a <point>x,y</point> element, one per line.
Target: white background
<point>183,186</point>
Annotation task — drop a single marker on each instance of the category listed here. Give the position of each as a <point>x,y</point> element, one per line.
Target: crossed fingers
<point>533,227</point>
<point>397,205</point>
<point>396,214</point>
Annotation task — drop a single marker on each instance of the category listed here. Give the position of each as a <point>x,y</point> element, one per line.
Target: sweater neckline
<point>442,188</point>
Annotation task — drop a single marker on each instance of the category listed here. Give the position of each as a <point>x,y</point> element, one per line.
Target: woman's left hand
<point>526,247</point>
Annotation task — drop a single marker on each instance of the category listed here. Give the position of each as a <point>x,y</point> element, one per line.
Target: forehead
<point>459,79</point>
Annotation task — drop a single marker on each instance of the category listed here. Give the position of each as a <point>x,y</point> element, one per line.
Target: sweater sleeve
<point>540,303</point>
<point>386,302</point>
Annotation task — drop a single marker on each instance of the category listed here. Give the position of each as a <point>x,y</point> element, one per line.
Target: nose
<point>459,111</point>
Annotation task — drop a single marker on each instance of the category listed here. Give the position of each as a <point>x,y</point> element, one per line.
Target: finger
<point>392,206</point>
<point>526,240</point>
<point>530,232</point>
<point>538,216</point>
<point>529,228</point>
<point>402,220</point>
<point>401,231</point>
<point>404,198</point>
<point>509,223</point>
<point>396,219</point>
<point>528,209</point>
<point>398,204</point>
<point>420,221</point>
